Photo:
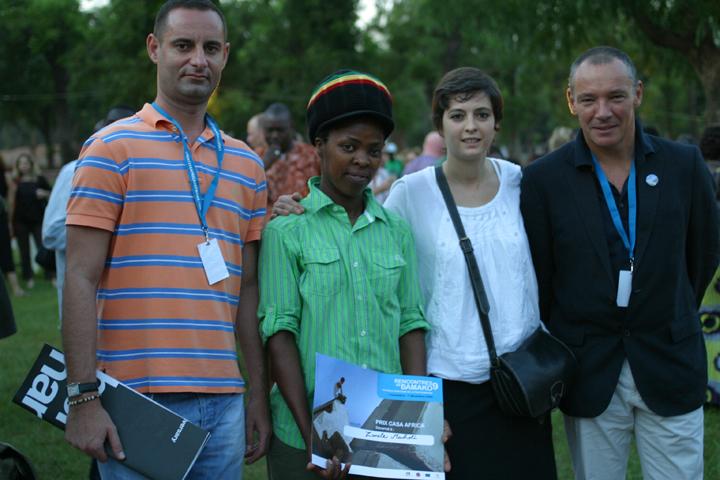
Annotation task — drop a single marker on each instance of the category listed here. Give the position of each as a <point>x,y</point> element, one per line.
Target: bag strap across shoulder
<point>466,246</point>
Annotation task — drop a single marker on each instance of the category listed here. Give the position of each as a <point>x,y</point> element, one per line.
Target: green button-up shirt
<point>347,291</point>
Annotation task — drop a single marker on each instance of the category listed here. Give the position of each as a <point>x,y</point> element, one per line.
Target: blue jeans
<point>223,415</point>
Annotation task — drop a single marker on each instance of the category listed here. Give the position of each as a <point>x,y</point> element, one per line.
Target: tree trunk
<point>61,107</point>
<point>701,53</point>
<point>46,132</point>
<point>452,50</point>
<point>64,132</point>
<point>708,69</point>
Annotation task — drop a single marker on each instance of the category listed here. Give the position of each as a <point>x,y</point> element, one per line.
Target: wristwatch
<point>77,389</point>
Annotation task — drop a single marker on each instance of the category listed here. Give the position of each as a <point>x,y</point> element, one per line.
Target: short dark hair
<point>170,5</point>
<point>118,112</point>
<point>276,110</point>
<point>465,82</point>
<point>600,56</point>
<point>710,142</point>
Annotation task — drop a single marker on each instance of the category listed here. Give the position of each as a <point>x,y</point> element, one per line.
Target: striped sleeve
<point>98,189</point>
<point>257,222</point>
<point>280,302</point>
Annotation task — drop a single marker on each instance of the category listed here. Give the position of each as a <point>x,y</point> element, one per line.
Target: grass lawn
<point>36,317</point>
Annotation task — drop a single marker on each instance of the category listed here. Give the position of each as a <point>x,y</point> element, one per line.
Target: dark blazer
<point>676,255</point>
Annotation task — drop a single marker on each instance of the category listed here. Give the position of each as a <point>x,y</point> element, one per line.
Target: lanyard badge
<point>628,238</point>
<point>209,250</point>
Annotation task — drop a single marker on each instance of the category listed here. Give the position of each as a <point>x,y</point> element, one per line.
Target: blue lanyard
<point>202,202</point>
<point>615,214</point>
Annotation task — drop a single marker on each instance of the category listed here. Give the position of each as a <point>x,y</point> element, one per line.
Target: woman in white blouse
<point>467,109</point>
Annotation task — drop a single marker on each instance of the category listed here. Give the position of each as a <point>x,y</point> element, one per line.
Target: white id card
<point>213,261</point>
<point>624,288</point>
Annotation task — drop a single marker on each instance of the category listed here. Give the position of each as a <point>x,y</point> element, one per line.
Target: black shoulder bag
<point>530,381</point>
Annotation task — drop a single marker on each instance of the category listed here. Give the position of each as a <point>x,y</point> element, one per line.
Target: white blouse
<point>456,345</point>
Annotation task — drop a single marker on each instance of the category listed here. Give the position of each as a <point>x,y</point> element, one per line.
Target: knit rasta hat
<point>345,94</point>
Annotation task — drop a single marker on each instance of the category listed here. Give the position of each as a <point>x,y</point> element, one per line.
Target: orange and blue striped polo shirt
<point>161,327</point>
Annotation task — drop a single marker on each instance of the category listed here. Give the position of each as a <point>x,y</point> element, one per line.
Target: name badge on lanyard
<point>209,250</point>
<point>213,261</point>
<point>625,277</point>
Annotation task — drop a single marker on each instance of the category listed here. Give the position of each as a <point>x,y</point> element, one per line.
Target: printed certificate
<point>386,426</point>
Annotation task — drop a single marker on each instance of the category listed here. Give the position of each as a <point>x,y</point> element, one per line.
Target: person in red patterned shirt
<point>288,163</point>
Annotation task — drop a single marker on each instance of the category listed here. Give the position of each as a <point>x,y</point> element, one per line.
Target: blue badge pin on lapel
<point>652,180</point>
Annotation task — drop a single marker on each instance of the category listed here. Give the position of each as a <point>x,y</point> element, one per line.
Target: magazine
<point>157,442</point>
<point>386,426</point>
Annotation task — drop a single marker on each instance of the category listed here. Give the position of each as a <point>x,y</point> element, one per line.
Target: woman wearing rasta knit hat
<point>340,280</point>
<point>348,94</point>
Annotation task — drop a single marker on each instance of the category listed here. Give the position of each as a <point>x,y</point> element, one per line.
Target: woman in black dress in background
<point>31,193</point>
<point>7,321</point>
<point>7,265</point>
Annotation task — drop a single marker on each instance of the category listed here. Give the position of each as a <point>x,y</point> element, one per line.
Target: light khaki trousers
<point>670,448</point>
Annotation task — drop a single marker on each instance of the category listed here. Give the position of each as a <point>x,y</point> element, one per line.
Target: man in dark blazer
<point>623,231</point>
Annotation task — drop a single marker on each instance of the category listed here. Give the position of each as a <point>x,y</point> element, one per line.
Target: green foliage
<point>280,50</point>
<point>112,67</point>
<point>423,42</point>
<point>39,37</point>
<point>528,46</point>
<point>61,69</point>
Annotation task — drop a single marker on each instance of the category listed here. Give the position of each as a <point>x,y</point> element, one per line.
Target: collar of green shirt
<point>317,200</point>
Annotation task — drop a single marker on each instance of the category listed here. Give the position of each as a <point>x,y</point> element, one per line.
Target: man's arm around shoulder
<point>88,425</point>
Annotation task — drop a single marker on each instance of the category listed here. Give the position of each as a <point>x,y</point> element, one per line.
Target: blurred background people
<point>7,264</point>
<point>390,170</point>
<point>560,136</point>
<point>255,133</point>
<point>7,321</point>
<point>31,193</point>
<point>432,152</point>
<point>289,163</point>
